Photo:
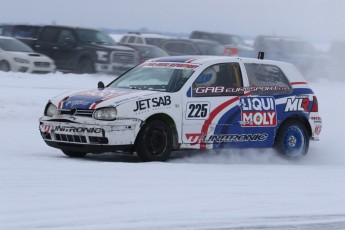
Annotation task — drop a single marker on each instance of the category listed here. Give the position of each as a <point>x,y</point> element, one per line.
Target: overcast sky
<point>310,19</point>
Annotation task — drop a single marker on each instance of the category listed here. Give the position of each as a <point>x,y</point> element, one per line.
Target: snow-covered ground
<point>40,188</point>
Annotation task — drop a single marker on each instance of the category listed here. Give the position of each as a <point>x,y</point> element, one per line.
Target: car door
<point>64,50</point>
<point>211,117</point>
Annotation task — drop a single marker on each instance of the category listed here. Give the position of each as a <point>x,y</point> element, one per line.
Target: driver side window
<point>223,79</point>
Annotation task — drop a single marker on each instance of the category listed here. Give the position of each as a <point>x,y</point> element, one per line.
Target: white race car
<point>188,102</point>
<point>18,57</point>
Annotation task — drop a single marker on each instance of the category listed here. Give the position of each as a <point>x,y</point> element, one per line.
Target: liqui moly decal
<point>258,111</point>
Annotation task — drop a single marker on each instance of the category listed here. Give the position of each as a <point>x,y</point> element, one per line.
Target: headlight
<point>21,60</point>
<point>105,114</point>
<point>51,110</point>
<point>102,55</point>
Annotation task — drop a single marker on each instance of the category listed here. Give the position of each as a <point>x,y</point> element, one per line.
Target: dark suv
<point>235,45</point>
<point>84,50</point>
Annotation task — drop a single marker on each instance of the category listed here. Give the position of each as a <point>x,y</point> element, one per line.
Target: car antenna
<point>100,85</point>
<point>261,55</point>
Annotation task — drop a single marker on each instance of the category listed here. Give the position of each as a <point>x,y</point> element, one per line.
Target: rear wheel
<point>154,141</point>
<point>292,139</point>
<point>86,65</point>
<point>74,154</point>
<point>5,66</point>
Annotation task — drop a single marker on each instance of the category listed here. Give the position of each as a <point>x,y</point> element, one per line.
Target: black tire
<point>292,139</point>
<point>154,141</point>
<point>86,65</point>
<point>74,154</point>
<point>5,66</point>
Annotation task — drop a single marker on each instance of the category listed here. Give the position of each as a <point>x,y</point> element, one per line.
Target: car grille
<point>70,138</point>
<point>42,64</point>
<point>80,139</point>
<point>75,112</point>
<point>123,57</point>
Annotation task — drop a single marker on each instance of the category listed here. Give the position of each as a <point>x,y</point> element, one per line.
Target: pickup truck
<point>78,50</point>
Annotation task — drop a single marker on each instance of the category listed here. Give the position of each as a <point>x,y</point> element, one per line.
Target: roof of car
<point>191,40</point>
<point>72,27</point>
<point>8,38</point>
<point>199,60</point>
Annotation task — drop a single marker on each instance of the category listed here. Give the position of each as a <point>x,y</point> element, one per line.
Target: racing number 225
<point>198,110</point>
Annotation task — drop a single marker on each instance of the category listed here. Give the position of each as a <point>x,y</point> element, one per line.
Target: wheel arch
<point>298,117</point>
<point>168,120</point>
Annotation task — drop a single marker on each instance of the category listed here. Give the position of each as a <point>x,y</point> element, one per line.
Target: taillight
<point>315,107</point>
<point>230,51</point>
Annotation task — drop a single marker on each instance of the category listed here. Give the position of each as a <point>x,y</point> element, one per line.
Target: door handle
<point>55,48</point>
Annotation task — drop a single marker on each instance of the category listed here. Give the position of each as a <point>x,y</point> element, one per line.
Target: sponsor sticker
<point>297,103</point>
<point>197,138</point>
<point>258,111</point>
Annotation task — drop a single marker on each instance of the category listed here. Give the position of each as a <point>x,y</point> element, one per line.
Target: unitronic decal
<point>258,111</point>
<point>152,103</point>
<point>197,138</point>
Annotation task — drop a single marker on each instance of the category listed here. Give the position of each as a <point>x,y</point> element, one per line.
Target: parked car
<point>24,33</point>
<point>84,50</point>
<point>191,47</point>
<point>235,45</point>
<point>138,38</point>
<point>147,52</point>
<point>18,57</point>
<point>187,102</point>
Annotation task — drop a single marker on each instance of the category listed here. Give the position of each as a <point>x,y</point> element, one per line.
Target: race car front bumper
<point>98,137</point>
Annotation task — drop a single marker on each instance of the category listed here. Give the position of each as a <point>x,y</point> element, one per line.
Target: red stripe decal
<point>213,114</point>
<point>299,83</point>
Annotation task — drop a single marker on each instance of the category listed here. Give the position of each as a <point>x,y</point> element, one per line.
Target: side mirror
<point>68,41</point>
<point>100,85</point>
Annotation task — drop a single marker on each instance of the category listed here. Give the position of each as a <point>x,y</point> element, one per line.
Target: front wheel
<point>292,139</point>
<point>154,141</point>
<point>74,154</point>
<point>5,66</point>
<point>86,65</point>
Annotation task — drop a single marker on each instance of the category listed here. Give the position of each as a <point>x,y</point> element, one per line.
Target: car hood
<point>110,47</point>
<point>31,56</point>
<point>93,99</point>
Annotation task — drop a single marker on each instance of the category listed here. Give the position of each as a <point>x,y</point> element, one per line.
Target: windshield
<point>230,39</point>
<point>208,48</point>
<point>154,41</point>
<point>152,76</point>
<point>14,45</point>
<point>94,36</point>
<point>151,52</point>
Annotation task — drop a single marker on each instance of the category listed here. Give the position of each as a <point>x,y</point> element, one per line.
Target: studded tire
<point>154,141</point>
<point>292,139</point>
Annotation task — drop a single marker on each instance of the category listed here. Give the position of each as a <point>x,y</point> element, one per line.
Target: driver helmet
<point>206,78</point>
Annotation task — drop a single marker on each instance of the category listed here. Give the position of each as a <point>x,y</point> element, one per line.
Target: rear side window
<point>267,79</point>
